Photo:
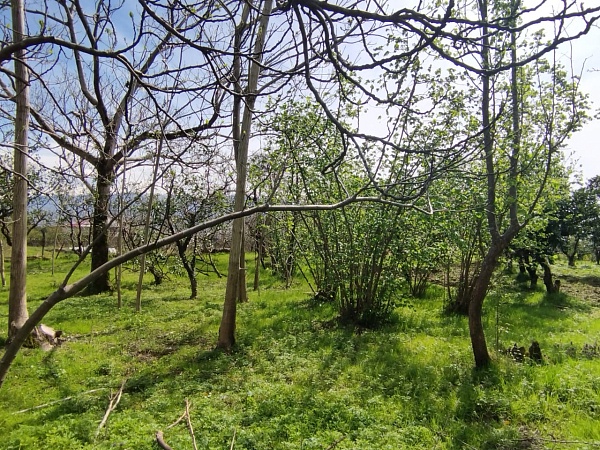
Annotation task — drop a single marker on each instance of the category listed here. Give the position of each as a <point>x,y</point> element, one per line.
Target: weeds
<point>298,380</point>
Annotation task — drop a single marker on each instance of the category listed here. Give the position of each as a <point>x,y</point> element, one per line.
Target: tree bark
<point>242,296</point>
<point>190,268</point>
<point>17,297</point>
<point>551,287</point>
<point>480,351</point>
<point>99,226</point>
<point>241,136</point>
<point>2,269</point>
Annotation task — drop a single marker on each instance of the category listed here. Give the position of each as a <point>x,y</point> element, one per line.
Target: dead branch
<point>177,421</point>
<point>558,441</point>
<point>58,401</point>
<point>114,401</point>
<point>189,423</point>
<point>232,440</point>
<point>334,444</point>
<point>160,441</point>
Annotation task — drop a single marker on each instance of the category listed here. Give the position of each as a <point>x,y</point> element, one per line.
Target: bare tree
<point>109,114</point>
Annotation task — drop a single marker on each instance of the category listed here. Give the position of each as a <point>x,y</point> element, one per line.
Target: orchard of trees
<point>358,145</point>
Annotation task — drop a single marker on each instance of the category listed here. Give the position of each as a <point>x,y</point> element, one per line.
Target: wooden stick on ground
<point>161,442</point>
<point>177,421</point>
<point>232,440</point>
<point>58,401</point>
<point>189,423</point>
<point>114,401</point>
<point>334,444</point>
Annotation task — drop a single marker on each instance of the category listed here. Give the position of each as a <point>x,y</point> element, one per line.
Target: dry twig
<point>232,440</point>
<point>189,423</point>
<point>177,421</point>
<point>334,444</point>
<point>114,401</point>
<point>161,442</point>
<point>58,401</point>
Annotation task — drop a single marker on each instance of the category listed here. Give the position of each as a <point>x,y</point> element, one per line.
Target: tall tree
<point>550,116</point>
<point>242,123</point>
<point>17,297</point>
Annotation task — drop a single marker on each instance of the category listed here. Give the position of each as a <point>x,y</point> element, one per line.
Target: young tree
<point>574,222</point>
<point>540,122</point>
<point>242,123</point>
<point>190,200</point>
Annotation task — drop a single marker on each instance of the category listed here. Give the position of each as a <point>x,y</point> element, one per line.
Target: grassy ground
<point>298,381</point>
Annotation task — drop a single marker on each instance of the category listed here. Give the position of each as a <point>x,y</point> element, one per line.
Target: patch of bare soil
<point>586,288</point>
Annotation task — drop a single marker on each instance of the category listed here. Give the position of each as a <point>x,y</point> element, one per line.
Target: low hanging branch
<point>66,291</point>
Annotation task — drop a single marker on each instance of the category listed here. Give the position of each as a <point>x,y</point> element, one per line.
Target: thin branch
<point>58,401</point>
<point>189,423</point>
<point>114,401</point>
<point>161,442</point>
<point>232,440</point>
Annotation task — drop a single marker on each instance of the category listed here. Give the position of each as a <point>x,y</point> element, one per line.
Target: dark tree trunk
<point>533,276</point>
<point>522,268</point>
<point>549,282</point>
<point>480,351</point>
<point>189,266</point>
<point>100,229</point>
<point>43,231</point>
<point>257,266</point>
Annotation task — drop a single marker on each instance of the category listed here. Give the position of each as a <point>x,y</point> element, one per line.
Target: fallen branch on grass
<point>189,423</point>
<point>232,440</point>
<point>114,401</point>
<point>186,416</point>
<point>334,444</point>
<point>161,442</point>
<point>58,401</point>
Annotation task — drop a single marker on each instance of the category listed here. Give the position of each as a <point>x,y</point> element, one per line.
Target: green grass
<point>296,380</point>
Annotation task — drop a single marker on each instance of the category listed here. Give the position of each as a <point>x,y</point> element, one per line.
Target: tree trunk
<point>551,287</point>
<point>43,231</point>
<point>533,276</point>
<point>2,269</point>
<point>480,351</point>
<point>258,259</point>
<point>56,228</point>
<point>17,297</point>
<point>190,268</point>
<point>99,227</point>
<point>241,138</point>
<point>522,268</point>
<point>242,289</point>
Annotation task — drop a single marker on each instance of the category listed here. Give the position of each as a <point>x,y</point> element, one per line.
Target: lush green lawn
<point>298,381</point>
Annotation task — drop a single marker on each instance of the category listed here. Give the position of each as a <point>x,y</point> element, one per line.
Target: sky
<point>584,146</point>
